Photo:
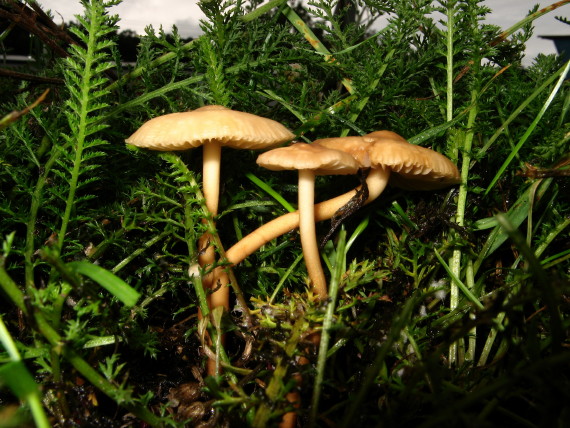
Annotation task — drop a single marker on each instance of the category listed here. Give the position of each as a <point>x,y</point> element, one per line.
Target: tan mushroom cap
<point>357,147</point>
<point>417,168</point>
<point>185,130</point>
<point>386,135</point>
<point>301,156</point>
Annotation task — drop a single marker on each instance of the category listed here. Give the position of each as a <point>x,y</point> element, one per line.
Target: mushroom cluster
<point>387,157</point>
<point>384,156</point>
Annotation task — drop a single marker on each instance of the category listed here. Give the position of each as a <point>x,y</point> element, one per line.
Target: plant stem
<point>306,31</point>
<point>145,246</point>
<point>454,291</point>
<point>31,223</point>
<point>153,64</point>
<point>33,396</point>
<point>455,262</point>
<point>327,325</point>
<point>449,57</point>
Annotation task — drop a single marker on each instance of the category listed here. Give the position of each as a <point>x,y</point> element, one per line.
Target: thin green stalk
<point>289,106</point>
<point>9,287</point>
<point>153,64</point>
<point>460,285</point>
<point>488,346</point>
<point>327,326</point>
<point>36,202</point>
<point>196,278</point>
<point>450,15</point>
<point>517,213</point>
<point>500,319</point>
<point>449,58</point>
<point>472,341</point>
<point>455,262</point>
<point>214,331</point>
<point>61,403</point>
<point>564,110</point>
<point>32,396</point>
<point>549,294</point>
<point>553,261</point>
<point>527,20</point>
<point>145,246</point>
<point>8,343</point>
<point>306,31</point>
<point>261,10</point>
<point>184,83</point>
<point>285,276</point>
<point>554,232</point>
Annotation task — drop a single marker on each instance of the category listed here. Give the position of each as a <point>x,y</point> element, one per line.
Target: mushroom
<point>309,160</point>
<point>213,127</point>
<point>412,167</point>
<point>416,167</point>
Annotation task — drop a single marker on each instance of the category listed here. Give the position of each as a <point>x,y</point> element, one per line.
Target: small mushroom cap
<point>357,147</point>
<point>417,168</point>
<point>386,135</point>
<point>301,156</point>
<point>185,130</point>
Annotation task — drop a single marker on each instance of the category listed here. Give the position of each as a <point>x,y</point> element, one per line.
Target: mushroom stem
<point>308,232</point>
<point>221,294</point>
<point>211,175</point>
<point>212,154</point>
<point>376,182</point>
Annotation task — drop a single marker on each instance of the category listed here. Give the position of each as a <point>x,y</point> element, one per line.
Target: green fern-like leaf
<point>85,79</point>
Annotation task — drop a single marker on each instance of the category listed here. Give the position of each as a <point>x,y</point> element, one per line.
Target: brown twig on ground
<point>559,170</point>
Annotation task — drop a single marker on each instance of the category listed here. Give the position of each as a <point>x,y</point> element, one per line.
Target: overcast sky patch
<point>138,14</point>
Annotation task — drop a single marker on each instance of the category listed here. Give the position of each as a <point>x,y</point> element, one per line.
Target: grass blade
<point>327,325</point>
<point>466,291</point>
<point>17,377</point>
<point>270,191</point>
<point>113,284</point>
<point>530,129</point>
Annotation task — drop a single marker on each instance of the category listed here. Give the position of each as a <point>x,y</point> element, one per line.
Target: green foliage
<point>445,307</point>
